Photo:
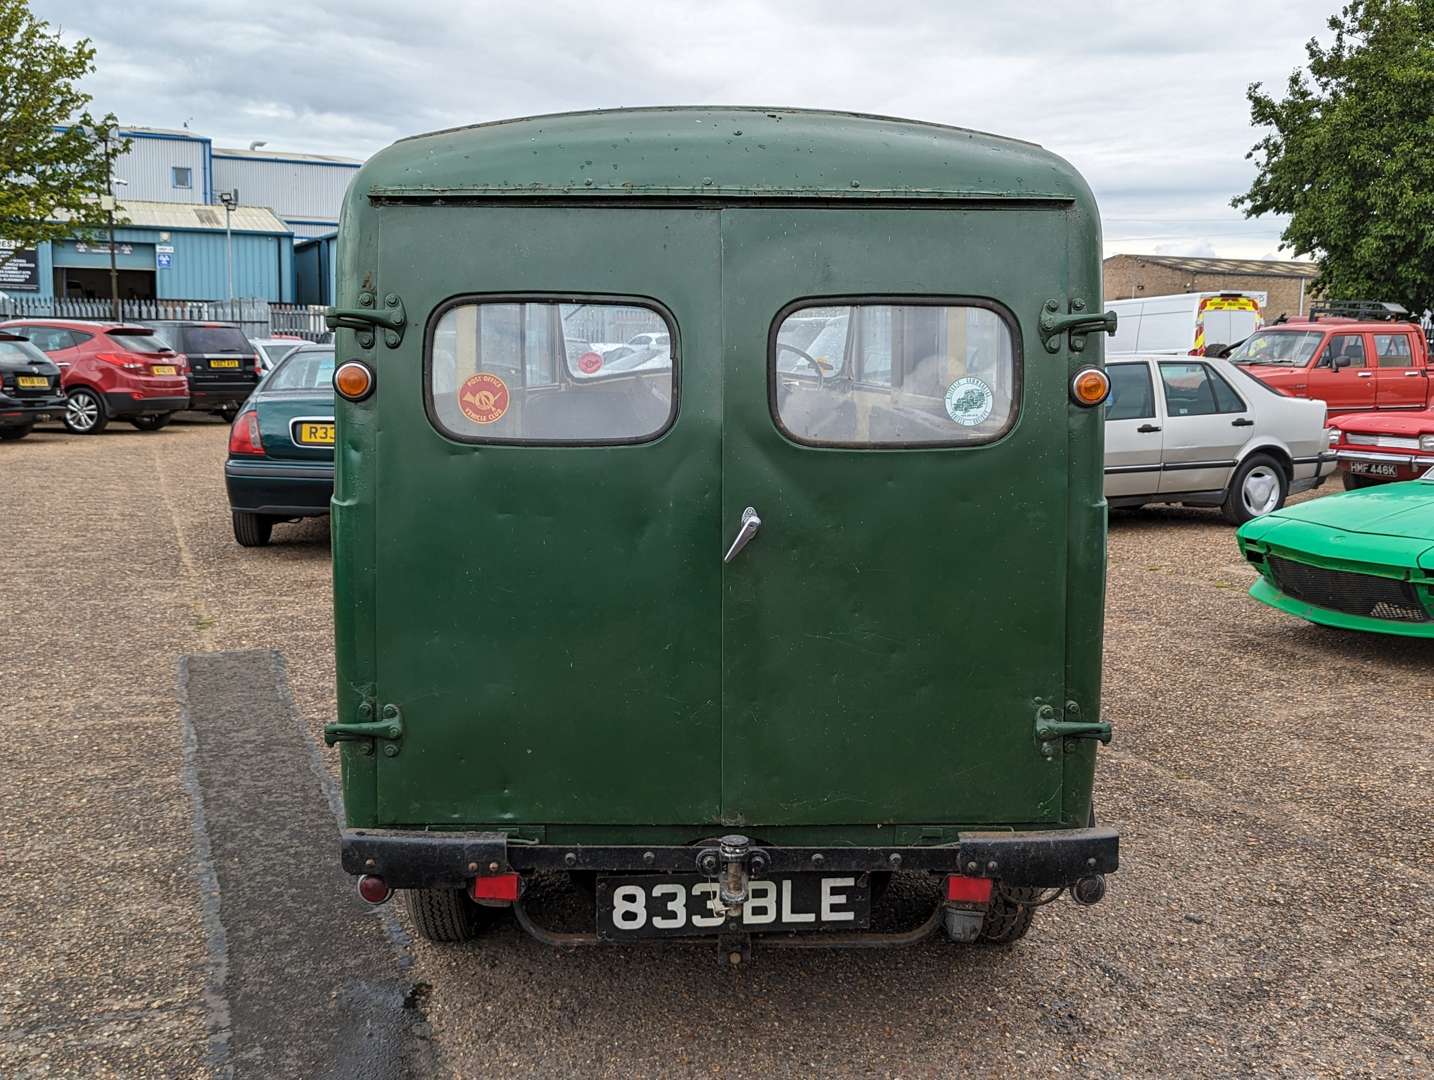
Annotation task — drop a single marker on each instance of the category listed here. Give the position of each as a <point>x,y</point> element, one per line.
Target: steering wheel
<point>811,361</point>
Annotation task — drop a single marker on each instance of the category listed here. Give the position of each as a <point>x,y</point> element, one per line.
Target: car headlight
<point>1333,434</point>
<point>1426,442</point>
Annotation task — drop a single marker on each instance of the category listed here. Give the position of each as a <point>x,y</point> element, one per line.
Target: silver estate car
<point>1198,431</point>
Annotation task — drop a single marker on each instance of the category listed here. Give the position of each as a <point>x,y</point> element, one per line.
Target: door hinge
<point>1050,730</point>
<point>388,729</point>
<point>1077,324</point>
<point>367,317</point>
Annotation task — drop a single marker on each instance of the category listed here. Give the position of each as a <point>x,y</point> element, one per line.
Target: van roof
<point>717,153</point>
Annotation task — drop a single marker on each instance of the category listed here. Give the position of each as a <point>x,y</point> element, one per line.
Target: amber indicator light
<point>353,380</point>
<point>1090,387</point>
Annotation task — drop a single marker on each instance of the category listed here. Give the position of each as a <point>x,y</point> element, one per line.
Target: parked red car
<point>110,371</point>
<point>1354,356</point>
<point>1378,447</point>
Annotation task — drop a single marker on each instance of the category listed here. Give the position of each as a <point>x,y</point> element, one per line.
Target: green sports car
<point>1363,560</point>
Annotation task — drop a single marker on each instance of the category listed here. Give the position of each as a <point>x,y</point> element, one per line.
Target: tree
<point>55,159</point>
<point>1351,154</point>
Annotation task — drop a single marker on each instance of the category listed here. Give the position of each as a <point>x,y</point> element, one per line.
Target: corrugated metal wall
<point>147,166</point>
<point>290,189</point>
<point>314,271</point>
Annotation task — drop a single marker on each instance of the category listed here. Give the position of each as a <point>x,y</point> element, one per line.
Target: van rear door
<point>894,422</point>
<point>548,567</point>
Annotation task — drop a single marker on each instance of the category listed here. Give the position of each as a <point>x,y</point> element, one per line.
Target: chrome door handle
<point>1413,374</point>
<point>1365,374</point>
<point>750,524</point>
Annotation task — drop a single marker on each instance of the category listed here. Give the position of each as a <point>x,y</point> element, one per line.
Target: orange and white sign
<point>483,398</point>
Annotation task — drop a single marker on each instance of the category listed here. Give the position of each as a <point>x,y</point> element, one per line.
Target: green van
<point>718,520</point>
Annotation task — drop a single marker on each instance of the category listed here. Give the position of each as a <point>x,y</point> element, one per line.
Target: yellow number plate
<point>311,434</point>
<point>223,363</point>
<point>31,382</point>
<point>164,369</point>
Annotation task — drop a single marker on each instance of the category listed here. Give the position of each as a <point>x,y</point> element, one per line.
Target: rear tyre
<point>1007,917</point>
<point>252,530</point>
<point>10,434</point>
<point>85,413</point>
<point>443,915</point>
<point>1258,487</point>
<point>151,423</point>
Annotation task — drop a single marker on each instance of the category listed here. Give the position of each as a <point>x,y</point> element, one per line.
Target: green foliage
<point>1351,154</point>
<point>47,173</point>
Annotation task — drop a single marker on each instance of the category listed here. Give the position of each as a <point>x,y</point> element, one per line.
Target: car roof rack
<point>1367,310</point>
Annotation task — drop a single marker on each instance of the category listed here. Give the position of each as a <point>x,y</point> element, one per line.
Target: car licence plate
<point>32,382</point>
<point>164,369</point>
<point>224,363</point>
<point>681,905</point>
<point>1373,468</point>
<point>312,434</point>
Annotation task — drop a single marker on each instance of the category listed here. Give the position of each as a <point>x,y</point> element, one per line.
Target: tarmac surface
<point>173,906</point>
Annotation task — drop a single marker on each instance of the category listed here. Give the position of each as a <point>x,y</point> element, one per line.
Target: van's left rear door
<point>548,616</point>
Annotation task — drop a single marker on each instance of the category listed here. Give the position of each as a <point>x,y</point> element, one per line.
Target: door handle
<point>1244,421</point>
<point>1365,374</point>
<point>750,524</point>
<point>1146,429</point>
<point>1413,374</point>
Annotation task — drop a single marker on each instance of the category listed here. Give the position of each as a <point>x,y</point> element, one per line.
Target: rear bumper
<point>119,403</point>
<point>1323,467</point>
<point>220,394</point>
<point>16,411</point>
<point>281,488</point>
<point>420,860</point>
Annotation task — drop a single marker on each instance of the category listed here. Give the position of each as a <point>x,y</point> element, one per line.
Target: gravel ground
<point>1272,915</point>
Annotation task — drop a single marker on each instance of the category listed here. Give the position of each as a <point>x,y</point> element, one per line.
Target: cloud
<point>1147,102</point>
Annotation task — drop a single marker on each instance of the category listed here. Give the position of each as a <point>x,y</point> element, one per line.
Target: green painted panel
<point>548,617</point>
<point>888,634</point>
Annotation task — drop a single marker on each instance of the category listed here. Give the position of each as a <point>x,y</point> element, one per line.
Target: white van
<point>1185,323</point>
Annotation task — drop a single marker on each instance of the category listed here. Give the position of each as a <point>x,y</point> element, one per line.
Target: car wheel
<point>19,431</point>
<point>252,530</point>
<point>444,915</point>
<point>85,413</point>
<point>1008,917</point>
<point>151,423</point>
<point>1258,487</point>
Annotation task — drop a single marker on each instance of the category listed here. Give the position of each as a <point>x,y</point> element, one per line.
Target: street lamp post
<point>110,210</point>
<point>229,199</point>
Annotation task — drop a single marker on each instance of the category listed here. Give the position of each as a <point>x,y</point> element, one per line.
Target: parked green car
<point>1363,560</point>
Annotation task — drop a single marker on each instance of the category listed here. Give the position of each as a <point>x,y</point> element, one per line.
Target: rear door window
<point>889,375</point>
<point>1393,350</point>
<point>548,371</point>
<point>48,339</point>
<point>1195,390</point>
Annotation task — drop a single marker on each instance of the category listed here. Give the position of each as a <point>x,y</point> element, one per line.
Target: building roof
<point>1292,268</point>
<point>196,217</point>
<point>185,133</point>
<point>284,155</point>
<point>716,152</point>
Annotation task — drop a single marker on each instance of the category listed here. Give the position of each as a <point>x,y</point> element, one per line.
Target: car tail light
<point>374,889</point>
<point>968,890</point>
<point>497,887</point>
<point>123,360</point>
<point>244,435</point>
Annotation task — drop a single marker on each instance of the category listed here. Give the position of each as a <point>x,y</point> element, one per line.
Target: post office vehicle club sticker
<point>483,398</point>
<point>969,401</point>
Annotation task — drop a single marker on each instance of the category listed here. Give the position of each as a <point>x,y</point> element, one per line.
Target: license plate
<point>164,369</point>
<point>32,382</point>
<point>224,363</point>
<point>681,905</point>
<point>1371,468</point>
<point>311,434</point>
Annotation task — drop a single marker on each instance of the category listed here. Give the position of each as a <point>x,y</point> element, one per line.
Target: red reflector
<point>374,889</point>
<point>968,890</point>
<point>497,887</point>
<point>589,363</point>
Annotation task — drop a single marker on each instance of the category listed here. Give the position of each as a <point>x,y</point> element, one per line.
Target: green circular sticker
<point>969,401</point>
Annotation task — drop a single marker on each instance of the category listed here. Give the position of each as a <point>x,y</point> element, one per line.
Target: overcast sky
<point>1146,99</point>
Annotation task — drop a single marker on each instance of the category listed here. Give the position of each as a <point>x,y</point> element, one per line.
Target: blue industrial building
<point>314,281</point>
<point>172,243</point>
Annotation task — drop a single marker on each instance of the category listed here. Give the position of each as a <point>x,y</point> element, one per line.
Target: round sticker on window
<point>969,401</point>
<point>483,398</point>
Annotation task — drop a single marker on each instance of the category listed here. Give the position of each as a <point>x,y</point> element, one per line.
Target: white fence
<point>257,318</point>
